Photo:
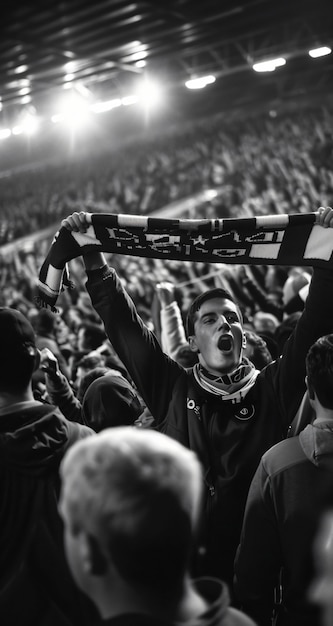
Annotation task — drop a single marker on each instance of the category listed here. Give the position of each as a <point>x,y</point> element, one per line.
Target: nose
<point>223,322</point>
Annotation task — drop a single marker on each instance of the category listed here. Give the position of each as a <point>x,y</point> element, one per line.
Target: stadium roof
<point>98,46</point>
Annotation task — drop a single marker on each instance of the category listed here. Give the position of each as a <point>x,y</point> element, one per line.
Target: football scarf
<point>271,239</point>
<point>233,386</point>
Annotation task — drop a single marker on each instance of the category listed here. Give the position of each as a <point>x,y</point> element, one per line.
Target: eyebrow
<point>206,313</point>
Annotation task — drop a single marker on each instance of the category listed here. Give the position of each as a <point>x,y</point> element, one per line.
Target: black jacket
<point>292,487</point>
<point>34,577</point>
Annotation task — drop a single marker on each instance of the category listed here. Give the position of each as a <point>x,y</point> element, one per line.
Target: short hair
<point>17,370</point>
<point>139,495</point>
<point>44,322</point>
<point>319,369</point>
<point>197,303</point>
<point>18,350</point>
<point>94,335</point>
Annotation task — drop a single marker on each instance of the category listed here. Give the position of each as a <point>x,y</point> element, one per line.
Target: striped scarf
<point>233,386</point>
<point>271,239</point>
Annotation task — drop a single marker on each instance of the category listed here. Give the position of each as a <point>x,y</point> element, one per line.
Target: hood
<point>33,437</point>
<point>110,401</point>
<point>317,444</point>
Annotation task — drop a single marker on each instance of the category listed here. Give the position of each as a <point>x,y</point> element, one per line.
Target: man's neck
<point>115,600</point>
<point>8,399</point>
<point>323,415</point>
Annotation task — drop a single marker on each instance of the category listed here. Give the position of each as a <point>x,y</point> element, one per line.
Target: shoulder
<point>237,618</point>
<point>283,455</point>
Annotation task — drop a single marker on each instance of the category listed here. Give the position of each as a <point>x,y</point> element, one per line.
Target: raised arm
<point>153,372</point>
<point>288,373</point>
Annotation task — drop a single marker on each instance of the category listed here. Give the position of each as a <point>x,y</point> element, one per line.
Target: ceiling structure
<point>95,45</point>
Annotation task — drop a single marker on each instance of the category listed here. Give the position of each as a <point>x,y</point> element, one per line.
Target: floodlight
<point>108,105</point>
<point>320,52</point>
<point>129,100</point>
<point>210,194</point>
<point>26,99</point>
<point>20,69</point>
<point>5,132</point>
<point>269,66</point>
<point>201,82</point>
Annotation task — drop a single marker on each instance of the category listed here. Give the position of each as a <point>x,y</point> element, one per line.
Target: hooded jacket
<point>33,439</point>
<point>229,438</point>
<point>292,487</point>
<point>217,613</point>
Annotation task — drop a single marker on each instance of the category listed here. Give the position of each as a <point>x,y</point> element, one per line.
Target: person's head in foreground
<point>130,503</point>
<point>18,355</point>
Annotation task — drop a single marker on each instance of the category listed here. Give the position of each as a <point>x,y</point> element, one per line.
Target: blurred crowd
<point>264,164</point>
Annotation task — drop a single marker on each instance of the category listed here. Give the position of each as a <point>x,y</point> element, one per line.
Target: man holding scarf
<point>223,408</point>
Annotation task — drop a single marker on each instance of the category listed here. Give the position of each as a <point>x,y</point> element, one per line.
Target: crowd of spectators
<point>263,165</point>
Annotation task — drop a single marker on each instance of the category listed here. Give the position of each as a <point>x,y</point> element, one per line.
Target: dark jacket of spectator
<point>34,578</point>
<point>287,495</point>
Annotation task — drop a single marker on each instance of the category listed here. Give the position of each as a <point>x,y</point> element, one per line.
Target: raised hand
<point>77,222</point>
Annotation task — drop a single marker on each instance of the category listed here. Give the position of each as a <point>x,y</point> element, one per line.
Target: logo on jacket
<point>193,407</point>
<point>245,413</point>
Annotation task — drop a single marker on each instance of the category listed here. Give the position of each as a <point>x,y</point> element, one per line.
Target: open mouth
<point>224,343</point>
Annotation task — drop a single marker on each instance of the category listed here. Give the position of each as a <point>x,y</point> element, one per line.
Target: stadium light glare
<point>26,99</point>
<point>20,69</point>
<point>315,53</point>
<point>5,132</point>
<point>108,105</point>
<point>128,100</point>
<point>201,82</point>
<point>24,91</point>
<point>56,118</point>
<point>269,66</point>
<point>72,110</point>
<point>29,124</point>
<point>149,93</point>
<point>140,63</point>
<point>210,194</point>
<point>69,67</point>
<point>139,55</point>
<point>17,130</point>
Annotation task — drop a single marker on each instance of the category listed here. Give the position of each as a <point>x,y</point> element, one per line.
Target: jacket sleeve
<point>287,374</point>
<point>258,559</point>
<point>173,332</point>
<point>76,432</point>
<point>153,372</point>
<point>61,394</point>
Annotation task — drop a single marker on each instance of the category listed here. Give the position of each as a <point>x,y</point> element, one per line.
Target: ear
<point>37,359</point>
<point>310,389</point>
<point>193,345</point>
<point>93,558</point>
